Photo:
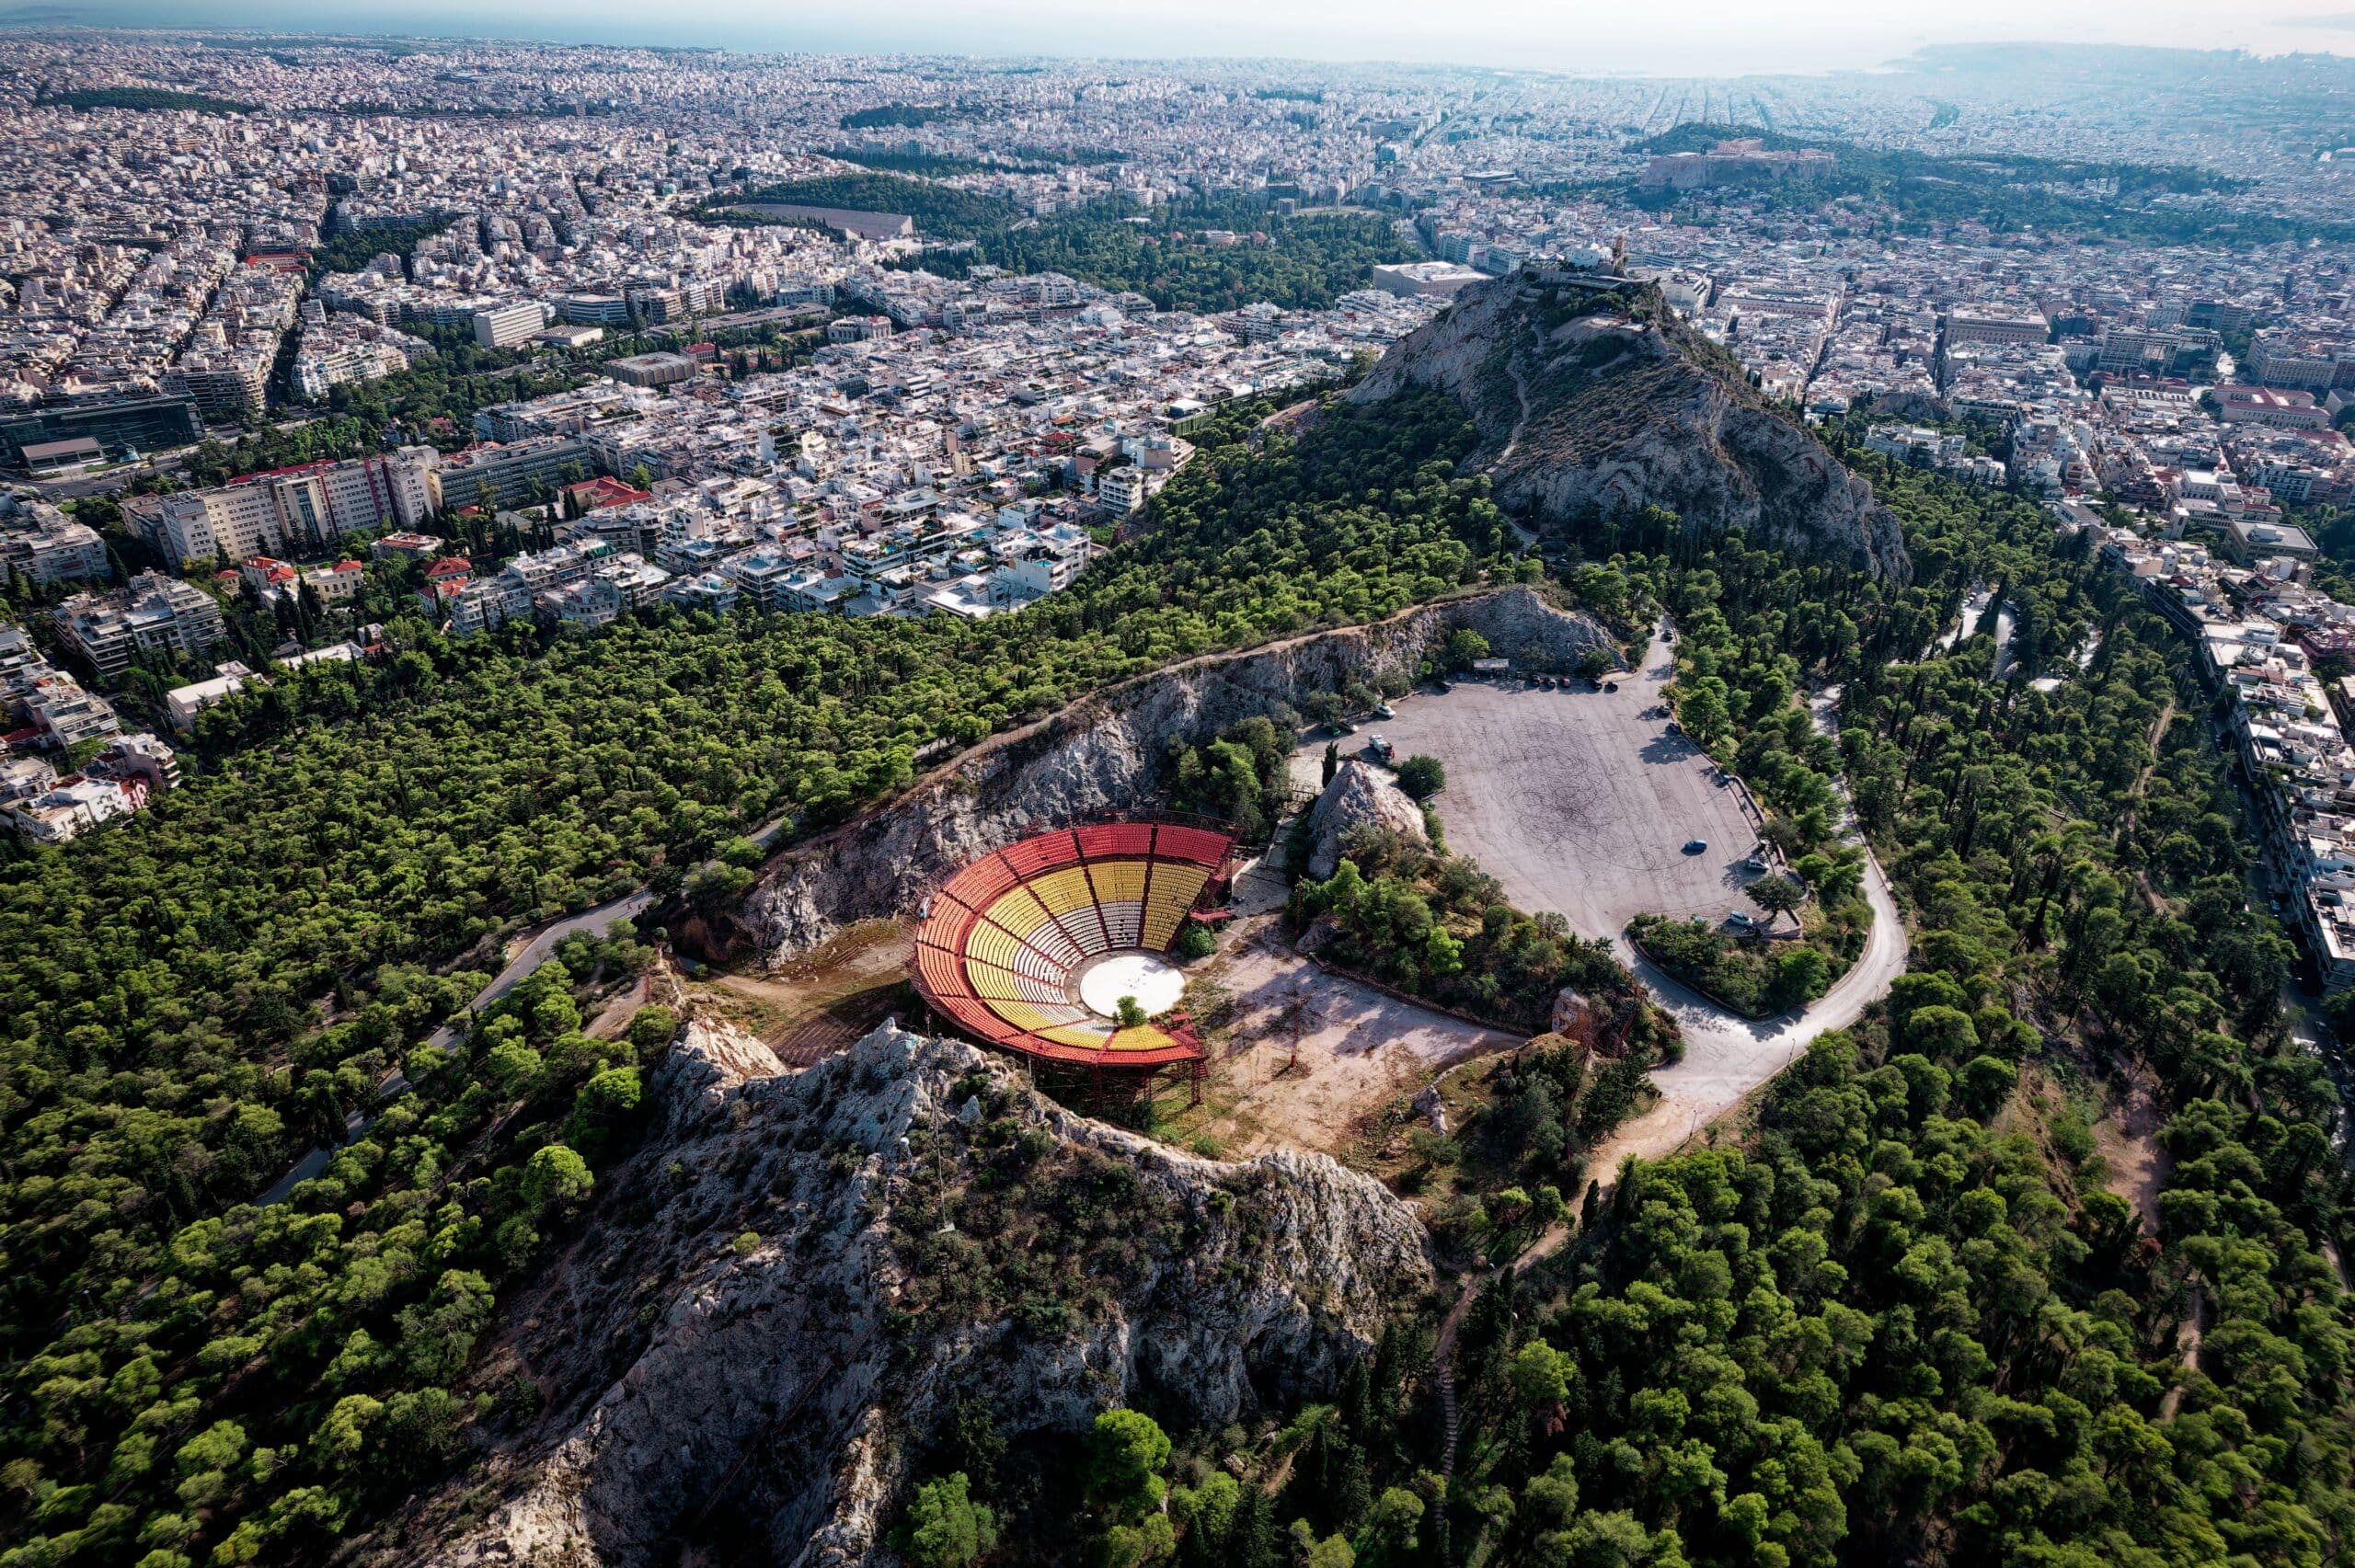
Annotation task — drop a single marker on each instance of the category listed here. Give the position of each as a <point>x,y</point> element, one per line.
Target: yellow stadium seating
<point>1064,891</point>
<point>991,983</point>
<point>991,945</point>
<point>1118,879</point>
<point>1038,1019</point>
<point>1018,912</point>
<point>1175,888</point>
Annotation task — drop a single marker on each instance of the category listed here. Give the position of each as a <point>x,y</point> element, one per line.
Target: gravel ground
<point>1578,801</point>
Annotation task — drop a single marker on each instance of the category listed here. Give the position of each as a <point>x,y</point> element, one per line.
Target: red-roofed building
<point>336,583</point>
<point>443,581</point>
<point>266,576</point>
<point>596,495</point>
<point>416,545</point>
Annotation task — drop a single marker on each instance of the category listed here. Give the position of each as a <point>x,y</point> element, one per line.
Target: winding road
<point>394,1084</point>
<point>1581,802</point>
<point>1726,1057</point>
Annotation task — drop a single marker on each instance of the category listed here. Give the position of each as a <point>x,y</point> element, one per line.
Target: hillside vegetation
<point>1160,252</point>
<point>2008,192</point>
<point>190,999</point>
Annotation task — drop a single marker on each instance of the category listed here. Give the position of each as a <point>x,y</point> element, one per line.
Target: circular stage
<point>1154,983</point>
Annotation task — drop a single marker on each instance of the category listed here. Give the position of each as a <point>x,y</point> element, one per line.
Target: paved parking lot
<point>1581,802</point>
<point>1577,801</point>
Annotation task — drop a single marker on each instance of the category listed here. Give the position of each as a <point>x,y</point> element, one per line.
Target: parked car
<point>1383,710</point>
<point>1611,685</point>
<point>1673,728</point>
<point>1695,846</point>
<point>1755,862</point>
<point>1381,747</point>
<point>1739,920</point>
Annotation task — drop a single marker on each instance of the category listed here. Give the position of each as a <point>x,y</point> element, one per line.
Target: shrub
<point>1422,777</point>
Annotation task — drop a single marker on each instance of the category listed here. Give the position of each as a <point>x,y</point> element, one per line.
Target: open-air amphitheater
<point>1038,947</point>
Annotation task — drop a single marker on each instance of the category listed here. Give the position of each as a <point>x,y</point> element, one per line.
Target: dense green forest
<point>1159,252</point>
<point>355,249</point>
<point>190,999</point>
<point>900,116</point>
<point>146,98</point>
<point>941,211</point>
<point>945,166</point>
<point>923,166</point>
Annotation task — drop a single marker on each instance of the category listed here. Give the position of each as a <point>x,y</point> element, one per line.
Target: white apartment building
<point>42,544</point>
<point>503,327</point>
<point>154,613</point>
<point>317,370</point>
<point>296,508</point>
<point>69,810</point>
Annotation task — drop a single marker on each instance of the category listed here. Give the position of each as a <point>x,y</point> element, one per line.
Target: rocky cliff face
<point>1606,412</point>
<point>785,1288</point>
<point>1106,754</point>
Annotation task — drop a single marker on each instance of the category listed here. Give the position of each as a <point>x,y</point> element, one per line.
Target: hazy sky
<point>1688,37</point>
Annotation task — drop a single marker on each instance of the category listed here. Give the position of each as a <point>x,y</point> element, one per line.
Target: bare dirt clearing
<point>1578,802</point>
<point>1300,1055</point>
<point>2128,1143</point>
<point>823,1003</point>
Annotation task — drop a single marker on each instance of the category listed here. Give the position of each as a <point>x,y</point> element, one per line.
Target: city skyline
<point>1717,38</point>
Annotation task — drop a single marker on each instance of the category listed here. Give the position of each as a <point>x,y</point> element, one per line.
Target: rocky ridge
<point>1106,754</point>
<point>1602,408</point>
<point>739,1357</point>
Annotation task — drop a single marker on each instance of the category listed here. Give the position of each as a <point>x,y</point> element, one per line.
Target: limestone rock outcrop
<point>739,1356</point>
<point>1603,411</point>
<point>1360,798</point>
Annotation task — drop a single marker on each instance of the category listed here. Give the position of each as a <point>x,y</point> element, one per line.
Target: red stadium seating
<point>1045,957</point>
<point>1196,845</point>
<point>1044,853</point>
<point>1125,840</point>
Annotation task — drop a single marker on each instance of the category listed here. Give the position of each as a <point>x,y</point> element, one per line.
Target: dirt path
<point>2128,1143</point>
<point>533,950</point>
<point>1521,391</point>
<point>2126,823</point>
<point>2188,1334</point>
